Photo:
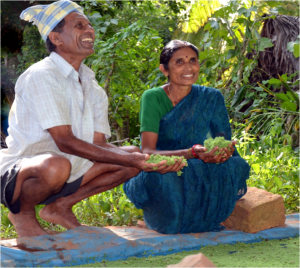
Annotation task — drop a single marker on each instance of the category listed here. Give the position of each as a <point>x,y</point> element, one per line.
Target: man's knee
<point>56,171</point>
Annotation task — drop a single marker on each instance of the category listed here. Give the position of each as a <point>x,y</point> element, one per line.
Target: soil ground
<point>271,253</point>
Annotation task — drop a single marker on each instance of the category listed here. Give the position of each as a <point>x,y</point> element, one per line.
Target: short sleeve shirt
<point>154,105</point>
<point>49,94</point>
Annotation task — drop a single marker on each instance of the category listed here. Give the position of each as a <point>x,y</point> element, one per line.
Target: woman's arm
<point>149,141</point>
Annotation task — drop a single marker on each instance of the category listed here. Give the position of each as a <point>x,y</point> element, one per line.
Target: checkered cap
<point>46,17</point>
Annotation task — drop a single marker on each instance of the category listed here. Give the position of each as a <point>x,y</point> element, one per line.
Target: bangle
<point>190,153</point>
<point>193,151</point>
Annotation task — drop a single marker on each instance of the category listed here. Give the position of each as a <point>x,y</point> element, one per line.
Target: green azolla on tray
<point>155,159</point>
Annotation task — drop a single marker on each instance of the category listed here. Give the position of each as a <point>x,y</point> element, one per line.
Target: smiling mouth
<point>90,40</point>
<point>188,75</point>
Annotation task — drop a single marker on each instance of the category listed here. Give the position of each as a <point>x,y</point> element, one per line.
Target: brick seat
<point>256,211</point>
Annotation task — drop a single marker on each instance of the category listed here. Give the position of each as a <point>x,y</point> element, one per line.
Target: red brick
<point>256,211</point>
<point>197,260</point>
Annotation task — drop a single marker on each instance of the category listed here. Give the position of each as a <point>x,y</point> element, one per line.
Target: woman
<point>175,120</point>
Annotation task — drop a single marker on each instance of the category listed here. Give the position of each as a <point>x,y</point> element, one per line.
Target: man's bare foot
<point>50,232</point>
<point>58,214</point>
<point>26,224</point>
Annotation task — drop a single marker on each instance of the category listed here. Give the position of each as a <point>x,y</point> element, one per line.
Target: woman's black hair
<point>58,28</point>
<point>171,47</point>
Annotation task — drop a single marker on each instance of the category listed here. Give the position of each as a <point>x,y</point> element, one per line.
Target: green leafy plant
<point>108,208</point>
<point>33,49</point>
<point>136,142</point>
<point>122,65</point>
<point>274,166</point>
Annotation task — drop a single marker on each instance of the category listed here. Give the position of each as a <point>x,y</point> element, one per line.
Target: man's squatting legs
<point>38,178</point>
<point>99,178</point>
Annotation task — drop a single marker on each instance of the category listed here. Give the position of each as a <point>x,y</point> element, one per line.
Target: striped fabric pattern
<point>46,17</point>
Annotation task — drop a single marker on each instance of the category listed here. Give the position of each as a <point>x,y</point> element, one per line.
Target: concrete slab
<point>93,244</point>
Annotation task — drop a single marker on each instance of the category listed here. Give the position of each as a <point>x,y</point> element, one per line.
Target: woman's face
<point>183,67</point>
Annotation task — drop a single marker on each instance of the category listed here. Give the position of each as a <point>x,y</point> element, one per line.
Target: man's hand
<point>160,167</point>
<point>171,168</point>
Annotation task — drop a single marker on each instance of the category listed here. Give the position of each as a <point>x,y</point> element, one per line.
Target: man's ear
<point>55,38</point>
<point>163,70</point>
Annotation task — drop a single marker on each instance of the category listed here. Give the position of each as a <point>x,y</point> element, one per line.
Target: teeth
<point>87,39</point>
<point>188,75</point>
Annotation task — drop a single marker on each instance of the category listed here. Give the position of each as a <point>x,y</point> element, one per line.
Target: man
<point>57,152</point>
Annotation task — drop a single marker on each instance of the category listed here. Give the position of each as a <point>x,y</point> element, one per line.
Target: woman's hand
<point>210,157</point>
<point>228,153</point>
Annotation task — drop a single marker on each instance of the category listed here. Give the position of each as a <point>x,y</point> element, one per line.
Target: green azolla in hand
<point>179,173</point>
<point>155,159</point>
<point>218,141</point>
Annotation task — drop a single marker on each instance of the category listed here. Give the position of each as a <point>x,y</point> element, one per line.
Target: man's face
<point>77,36</point>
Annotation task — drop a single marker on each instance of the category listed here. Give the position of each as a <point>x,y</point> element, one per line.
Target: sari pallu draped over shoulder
<point>206,193</point>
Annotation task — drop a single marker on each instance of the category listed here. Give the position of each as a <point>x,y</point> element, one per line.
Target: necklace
<point>169,90</point>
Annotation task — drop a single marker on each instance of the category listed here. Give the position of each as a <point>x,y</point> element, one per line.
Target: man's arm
<point>102,152</point>
<point>100,140</point>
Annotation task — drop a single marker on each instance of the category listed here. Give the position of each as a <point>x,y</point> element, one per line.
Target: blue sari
<point>206,193</point>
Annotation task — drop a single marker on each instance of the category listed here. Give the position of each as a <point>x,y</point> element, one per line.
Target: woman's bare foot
<point>26,224</point>
<point>58,214</point>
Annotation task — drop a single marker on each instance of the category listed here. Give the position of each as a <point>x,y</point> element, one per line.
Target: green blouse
<point>154,105</point>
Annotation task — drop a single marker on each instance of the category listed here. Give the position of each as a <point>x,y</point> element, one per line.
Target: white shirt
<point>49,94</point>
